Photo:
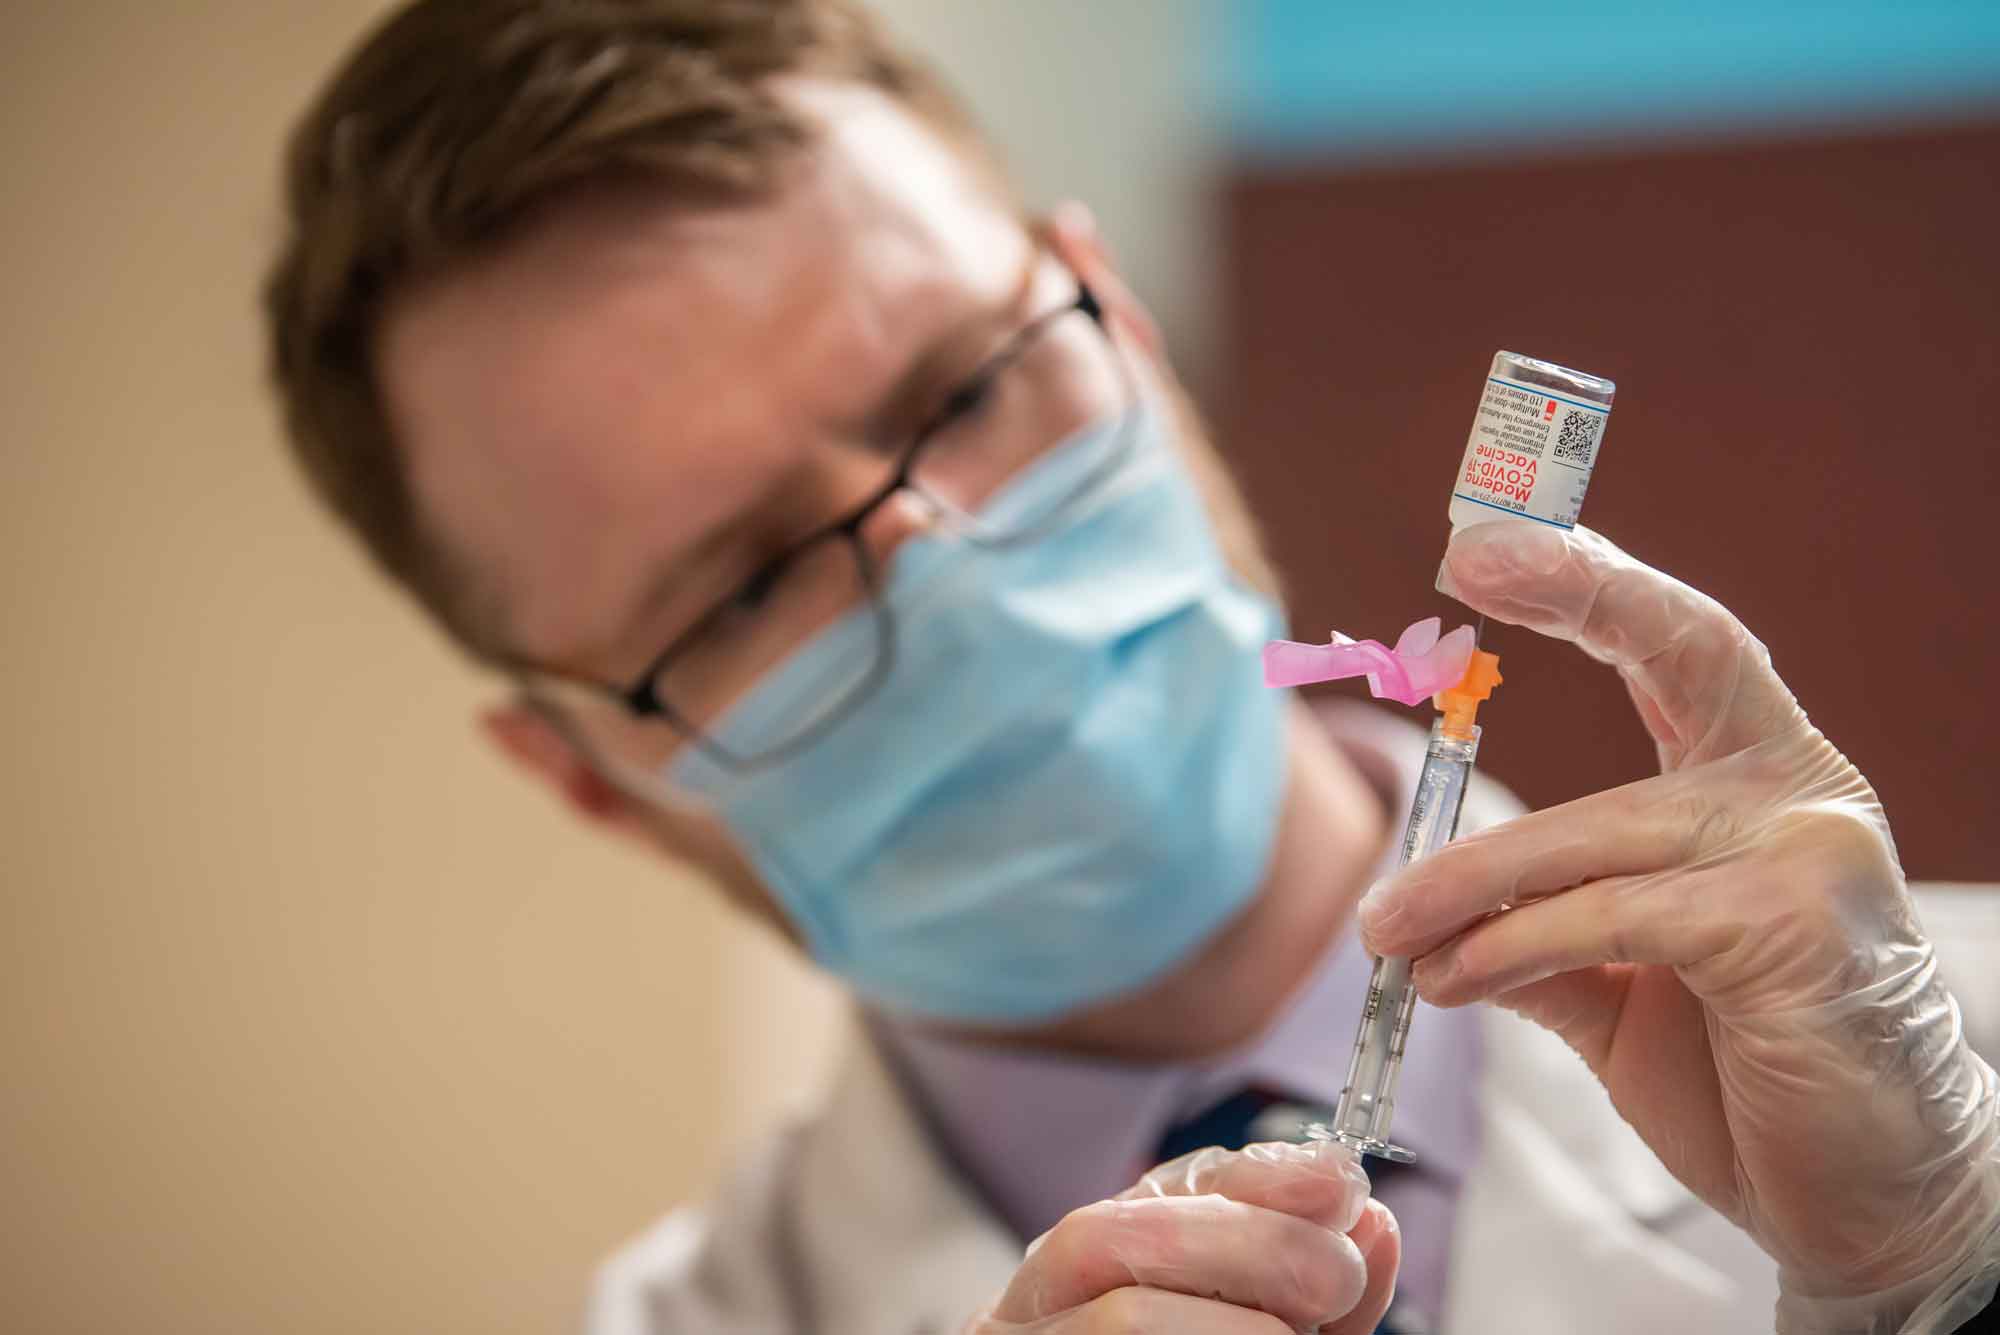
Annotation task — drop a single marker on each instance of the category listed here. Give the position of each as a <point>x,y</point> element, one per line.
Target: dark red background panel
<point>1806,344</point>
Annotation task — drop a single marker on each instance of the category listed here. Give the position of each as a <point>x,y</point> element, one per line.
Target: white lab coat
<point>853,1222</point>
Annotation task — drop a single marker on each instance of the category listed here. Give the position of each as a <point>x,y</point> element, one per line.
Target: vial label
<point>1529,455</point>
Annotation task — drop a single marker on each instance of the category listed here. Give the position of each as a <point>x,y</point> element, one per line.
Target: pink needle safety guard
<point>1422,663</point>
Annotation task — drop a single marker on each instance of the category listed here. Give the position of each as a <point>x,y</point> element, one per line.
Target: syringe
<point>1368,1101</point>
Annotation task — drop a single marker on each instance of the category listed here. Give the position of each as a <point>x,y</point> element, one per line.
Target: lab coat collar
<point>873,1183</point>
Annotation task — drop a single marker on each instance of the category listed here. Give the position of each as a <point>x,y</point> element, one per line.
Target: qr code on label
<point>1578,436</point>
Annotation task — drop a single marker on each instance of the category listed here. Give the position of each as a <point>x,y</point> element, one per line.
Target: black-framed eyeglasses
<point>1054,376</point>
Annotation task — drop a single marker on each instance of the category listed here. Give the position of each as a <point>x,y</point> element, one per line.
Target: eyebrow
<point>905,408</point>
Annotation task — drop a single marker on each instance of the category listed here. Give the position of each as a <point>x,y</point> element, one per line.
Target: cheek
<point>629,754</point>
<point>701,844</point>
<point>635,752</point>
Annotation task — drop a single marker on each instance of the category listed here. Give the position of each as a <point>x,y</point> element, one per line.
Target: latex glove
<point>1730,946</point>
<point>1270,1239</point>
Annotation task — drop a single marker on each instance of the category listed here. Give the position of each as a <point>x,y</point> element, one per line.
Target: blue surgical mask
<point>1070,778</point>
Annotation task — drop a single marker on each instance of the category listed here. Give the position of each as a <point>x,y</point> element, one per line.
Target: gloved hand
<point>1732,949</point>
<point>1271,1239</point>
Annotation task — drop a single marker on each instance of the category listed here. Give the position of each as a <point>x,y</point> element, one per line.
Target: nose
<point>902,515</point>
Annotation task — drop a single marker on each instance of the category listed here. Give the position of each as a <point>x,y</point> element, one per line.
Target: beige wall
<point>315,1019</point>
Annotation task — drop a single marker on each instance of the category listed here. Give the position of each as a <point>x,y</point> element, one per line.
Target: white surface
<point>1964,921</point>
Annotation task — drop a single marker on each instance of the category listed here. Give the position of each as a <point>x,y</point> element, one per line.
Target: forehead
<point>626,374</point>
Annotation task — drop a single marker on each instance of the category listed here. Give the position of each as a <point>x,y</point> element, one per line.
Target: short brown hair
<point>455,118</point>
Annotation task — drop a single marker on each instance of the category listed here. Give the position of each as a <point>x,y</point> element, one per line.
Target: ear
<point>1071,231</point>
<point>535,747</point>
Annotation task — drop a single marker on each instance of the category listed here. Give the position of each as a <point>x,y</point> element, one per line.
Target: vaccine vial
<point>1534,441</point>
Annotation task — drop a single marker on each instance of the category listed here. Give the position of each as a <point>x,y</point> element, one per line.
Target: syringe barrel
<point>1368,1101</point>
<point>1440,793</point>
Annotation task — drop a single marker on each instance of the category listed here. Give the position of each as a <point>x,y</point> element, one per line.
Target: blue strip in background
<point>1327,79</point>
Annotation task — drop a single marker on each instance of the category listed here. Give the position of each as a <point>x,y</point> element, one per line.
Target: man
<point>849,537</point>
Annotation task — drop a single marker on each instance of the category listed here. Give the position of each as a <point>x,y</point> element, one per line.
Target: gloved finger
<point>1704,685</point>
<point>1381,1244</point>
<point>1765,923</point>
<point>1124,1311</point>
<point>1151,1309</point>
<point>1207,1246</point>
<point>1641,827</point>
<point>1619,920</point>
<point>1319,1181</point>
<point>1743,910</point>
